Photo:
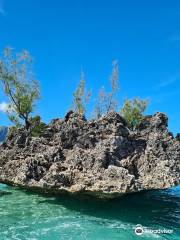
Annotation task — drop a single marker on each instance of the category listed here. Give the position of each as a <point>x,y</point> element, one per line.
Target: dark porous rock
<point>101,158</point>
<point>178,136</point>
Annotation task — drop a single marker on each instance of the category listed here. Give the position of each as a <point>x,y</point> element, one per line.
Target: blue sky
<point>63,35</point>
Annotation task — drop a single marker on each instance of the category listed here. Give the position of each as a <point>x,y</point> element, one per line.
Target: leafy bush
<point>133,110</point>
<point>38,127</point>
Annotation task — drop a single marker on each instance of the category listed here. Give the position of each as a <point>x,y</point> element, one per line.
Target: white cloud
<point>169,81</point>
<point>4,107</point>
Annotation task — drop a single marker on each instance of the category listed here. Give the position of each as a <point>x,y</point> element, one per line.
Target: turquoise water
<point>34,216</point>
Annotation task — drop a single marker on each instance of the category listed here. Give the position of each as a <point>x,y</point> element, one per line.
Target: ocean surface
<point>25,215</point>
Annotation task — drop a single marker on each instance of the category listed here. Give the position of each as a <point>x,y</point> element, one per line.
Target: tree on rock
<point>106,101</point>
<point>19,85</point>
<point>80,97</point>
<point>133,110</point>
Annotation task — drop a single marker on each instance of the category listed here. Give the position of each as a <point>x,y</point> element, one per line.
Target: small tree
<point>111,103</point>
<point>80,97</point>
<point>100,106</point>
<point>106,102</point>
<point>133,110</point>
<point>19,85</point>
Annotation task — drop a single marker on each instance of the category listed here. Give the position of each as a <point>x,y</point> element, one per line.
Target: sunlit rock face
<point>101,158</point>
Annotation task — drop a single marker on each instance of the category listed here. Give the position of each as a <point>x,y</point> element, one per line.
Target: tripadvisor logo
<point>139,230</point>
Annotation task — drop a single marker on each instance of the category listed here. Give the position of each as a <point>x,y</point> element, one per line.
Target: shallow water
<point>25,215</point>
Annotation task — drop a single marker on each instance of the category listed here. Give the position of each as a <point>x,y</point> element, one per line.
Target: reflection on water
<point>27,215</point>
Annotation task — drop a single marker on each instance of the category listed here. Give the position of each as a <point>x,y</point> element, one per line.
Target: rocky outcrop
<point>102,158</point>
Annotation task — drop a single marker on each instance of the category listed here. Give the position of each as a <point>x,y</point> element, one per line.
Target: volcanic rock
<point>102,158</point>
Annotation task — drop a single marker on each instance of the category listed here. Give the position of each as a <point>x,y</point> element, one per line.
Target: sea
<point>26,215</point>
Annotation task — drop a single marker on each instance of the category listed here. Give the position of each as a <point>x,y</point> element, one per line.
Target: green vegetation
<point>37,127</point>
<point>107,102</point>
<point>12,130</point>
<point>19,85</point>
<point>80,97</point>
<point>133,111</point>
<point>22,90</point>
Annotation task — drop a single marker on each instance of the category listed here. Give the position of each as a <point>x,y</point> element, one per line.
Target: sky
<point>64,36</point>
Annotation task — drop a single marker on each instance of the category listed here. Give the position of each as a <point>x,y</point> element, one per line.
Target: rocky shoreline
<point>100,158</point>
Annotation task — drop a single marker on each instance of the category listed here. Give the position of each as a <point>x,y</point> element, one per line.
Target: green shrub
<point>12,130</point>
<point>38,127</point>
<point>133,110</point>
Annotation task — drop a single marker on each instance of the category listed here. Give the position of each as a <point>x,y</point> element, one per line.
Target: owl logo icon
<point>139,230</point>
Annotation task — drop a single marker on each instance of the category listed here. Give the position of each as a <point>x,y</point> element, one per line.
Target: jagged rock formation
<point>101,158</point>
